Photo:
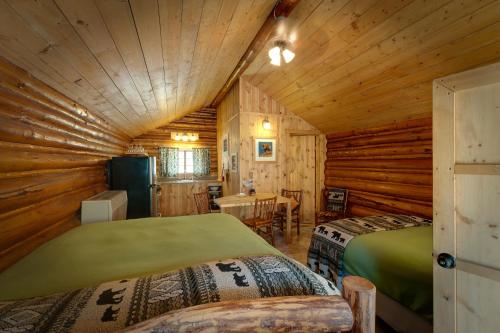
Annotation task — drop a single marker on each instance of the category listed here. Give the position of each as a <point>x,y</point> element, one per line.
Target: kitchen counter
<point>176,196</point>
<point>187,181</point>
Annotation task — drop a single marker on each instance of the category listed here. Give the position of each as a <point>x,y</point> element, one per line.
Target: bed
<point>394,252</point>
<point>118,274</point>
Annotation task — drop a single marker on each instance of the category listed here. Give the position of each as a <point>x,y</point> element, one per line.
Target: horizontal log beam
<point>10,103</point>
<point>407,163</point>
<point>39,92</point>
<point>423,122</point>
<point>273,314</point>
<point>416,135</point>
<point>382,175</point>
<point>395,189</point>
<point>12,254</point>
<point>18,223</point>
<point>420,148</point>
<point>390,206</point>
<point>19,192</point>
<point>361,211</point>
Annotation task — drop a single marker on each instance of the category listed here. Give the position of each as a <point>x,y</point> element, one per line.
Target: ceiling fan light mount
<point>280,50</point>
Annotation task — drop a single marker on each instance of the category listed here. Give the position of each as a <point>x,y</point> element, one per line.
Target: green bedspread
<point>398,262</point>
<point>96,253</point>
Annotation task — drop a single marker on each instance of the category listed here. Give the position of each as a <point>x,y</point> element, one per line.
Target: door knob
<point>446,260</point>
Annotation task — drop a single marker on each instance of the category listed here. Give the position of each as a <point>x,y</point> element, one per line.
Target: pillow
<point>118,304</point>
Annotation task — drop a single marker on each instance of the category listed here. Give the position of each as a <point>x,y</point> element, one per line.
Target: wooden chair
<point>333,205</point>
<point>202,201</point>
<point>263,217</point>
<point>280,215</point>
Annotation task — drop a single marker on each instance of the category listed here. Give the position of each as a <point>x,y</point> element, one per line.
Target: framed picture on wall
<point>265,150</point>
<point>225,144</point>
<point>234,162</point>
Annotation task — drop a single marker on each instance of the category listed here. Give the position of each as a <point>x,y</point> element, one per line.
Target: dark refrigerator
<point>136,175</point>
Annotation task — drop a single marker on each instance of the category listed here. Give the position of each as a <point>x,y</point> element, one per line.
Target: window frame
<point>184,175</point>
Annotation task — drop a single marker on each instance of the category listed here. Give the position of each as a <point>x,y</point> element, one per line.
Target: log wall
<point>203,122</point>
<point>52,156</point>
<point>387,169</point>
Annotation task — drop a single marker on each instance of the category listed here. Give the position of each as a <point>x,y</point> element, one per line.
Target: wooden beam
<point>283,8</point>
<point>273,314</point>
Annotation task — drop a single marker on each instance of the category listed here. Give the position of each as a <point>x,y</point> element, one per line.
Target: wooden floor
<point>297,249</point>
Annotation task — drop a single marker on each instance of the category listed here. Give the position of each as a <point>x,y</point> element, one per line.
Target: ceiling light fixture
<point>177,136</point>
<point>280,49</point>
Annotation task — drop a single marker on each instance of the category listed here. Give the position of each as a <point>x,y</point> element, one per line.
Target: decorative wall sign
<point>265,150</point>
<point>234,162</point>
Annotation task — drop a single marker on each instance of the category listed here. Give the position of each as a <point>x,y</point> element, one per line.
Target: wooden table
<point>243,201</point>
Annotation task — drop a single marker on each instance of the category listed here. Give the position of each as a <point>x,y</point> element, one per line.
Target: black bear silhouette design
<point>323,230</point>
<point>240,280</point>
<point>342,239</point>
<point>110,314</point>
<point>369,226</point>
<point>109,296</point>
<point>336,235</point>
<point>228,267</point>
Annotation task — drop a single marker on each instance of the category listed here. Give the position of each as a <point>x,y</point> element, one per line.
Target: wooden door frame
<point>445,169</point>
<point>317,161</point>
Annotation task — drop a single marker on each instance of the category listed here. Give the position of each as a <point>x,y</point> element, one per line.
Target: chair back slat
<point>335,199</point>
<point>202,201</point>
<point>264,209</point>
<point>295,194</point>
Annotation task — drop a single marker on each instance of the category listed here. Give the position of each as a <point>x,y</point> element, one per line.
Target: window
<point>184,163</point>
<point>185,160</point>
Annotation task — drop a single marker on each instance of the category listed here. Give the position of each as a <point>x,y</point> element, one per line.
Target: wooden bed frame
<point>354,311</point>
<point>400,318</point>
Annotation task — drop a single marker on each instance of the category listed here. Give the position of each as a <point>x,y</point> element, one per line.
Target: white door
<point>466,153</point>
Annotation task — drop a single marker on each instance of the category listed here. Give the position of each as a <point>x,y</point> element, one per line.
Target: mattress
<point>398,262</point>
<point>95,253</point>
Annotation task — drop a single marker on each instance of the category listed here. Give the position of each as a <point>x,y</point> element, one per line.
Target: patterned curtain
<point>169,164</point>
<point>201,162</point>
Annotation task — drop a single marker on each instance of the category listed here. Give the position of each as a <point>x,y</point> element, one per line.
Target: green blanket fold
<point>398,262</point>
<point>95,253</point>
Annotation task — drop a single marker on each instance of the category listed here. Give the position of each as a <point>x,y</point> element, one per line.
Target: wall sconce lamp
<point>266,124</point>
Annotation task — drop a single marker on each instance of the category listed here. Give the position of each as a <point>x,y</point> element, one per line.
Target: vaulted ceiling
<point>362,63</point>
<point>143,63</point>
<point>139,63</point>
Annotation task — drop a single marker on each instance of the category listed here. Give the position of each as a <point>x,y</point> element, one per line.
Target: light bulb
<point>274,55</point>
<point>266,124</point>
<point>177,137</point>
<point>193,137</point>
<point>288,55</point>
<point>184,137</point>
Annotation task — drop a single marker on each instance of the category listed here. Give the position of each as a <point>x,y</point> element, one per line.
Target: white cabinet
<point>105,206</point>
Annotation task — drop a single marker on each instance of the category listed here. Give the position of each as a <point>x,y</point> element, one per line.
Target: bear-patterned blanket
<point>118,304</point>
<point>326,250</point>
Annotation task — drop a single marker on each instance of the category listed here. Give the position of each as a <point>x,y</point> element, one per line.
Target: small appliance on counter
<point>214,192</point>
<point>137,176</point>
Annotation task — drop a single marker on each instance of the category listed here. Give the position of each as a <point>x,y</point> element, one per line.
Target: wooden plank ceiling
<point>138,63</point>
<point>363,63</point>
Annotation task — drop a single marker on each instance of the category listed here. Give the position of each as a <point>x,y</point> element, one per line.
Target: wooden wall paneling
<point>177,198</point>
<point>388,169</point>
<point>53,157</point>
<point>228,126</point>
<point>203,122</point>
<point>290,168</point>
